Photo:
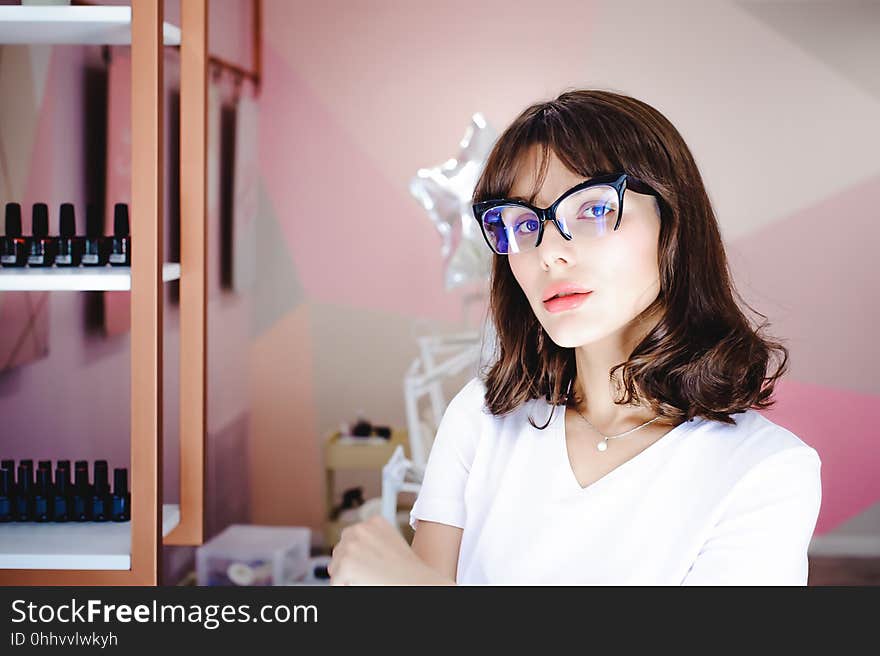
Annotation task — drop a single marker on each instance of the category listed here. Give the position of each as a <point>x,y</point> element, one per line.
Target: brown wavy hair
<point>702,356</point>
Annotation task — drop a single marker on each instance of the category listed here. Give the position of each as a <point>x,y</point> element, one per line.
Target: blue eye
<point>603,211</point>
<point>530,224</point>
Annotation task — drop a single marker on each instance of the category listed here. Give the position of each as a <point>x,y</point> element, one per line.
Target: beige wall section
<point>364,356</point>
<point>285,462</point>
<point>745,98</point>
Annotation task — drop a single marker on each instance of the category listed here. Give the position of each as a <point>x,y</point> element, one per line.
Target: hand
<point>373,552</point>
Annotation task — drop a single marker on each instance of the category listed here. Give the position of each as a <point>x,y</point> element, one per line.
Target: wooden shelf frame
<point>147,232</point>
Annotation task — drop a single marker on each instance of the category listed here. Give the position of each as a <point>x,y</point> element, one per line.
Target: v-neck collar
<point>558,425</point>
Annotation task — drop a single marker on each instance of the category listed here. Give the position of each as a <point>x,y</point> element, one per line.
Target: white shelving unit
<point>107,278</point>
<point>73,545</point>
<point>83,25</point>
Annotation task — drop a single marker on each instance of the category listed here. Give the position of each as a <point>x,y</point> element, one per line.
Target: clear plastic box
<point>248,554</point>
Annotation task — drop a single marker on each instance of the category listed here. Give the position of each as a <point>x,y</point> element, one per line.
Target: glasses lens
<point>511,228</point>
<point>591,212</point>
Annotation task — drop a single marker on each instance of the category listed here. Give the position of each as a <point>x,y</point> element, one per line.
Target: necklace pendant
<point>602,445</point>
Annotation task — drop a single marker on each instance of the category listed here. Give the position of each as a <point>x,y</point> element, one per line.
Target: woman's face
<point>620,267</point>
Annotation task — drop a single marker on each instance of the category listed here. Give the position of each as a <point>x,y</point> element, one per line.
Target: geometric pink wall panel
<point>24,327</point>
<point>815,273</point>
<point>356,238</point>
<point>842,426</point>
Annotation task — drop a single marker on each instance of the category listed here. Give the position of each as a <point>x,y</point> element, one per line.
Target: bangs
<point>589,143</point>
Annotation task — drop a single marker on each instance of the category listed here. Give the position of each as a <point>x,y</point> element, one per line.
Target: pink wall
<point>359,96</point>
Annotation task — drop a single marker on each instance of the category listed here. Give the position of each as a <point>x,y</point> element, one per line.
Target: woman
<point>615,438</point>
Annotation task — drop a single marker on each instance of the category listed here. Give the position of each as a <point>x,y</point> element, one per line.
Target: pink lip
<point>566,302</point>
<point>563,288</point>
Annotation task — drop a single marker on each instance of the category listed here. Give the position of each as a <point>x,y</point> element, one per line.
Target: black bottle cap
<point>6,482</point>
<point>26,471</point>
<point>44,479</point>
<point>7,464</point>
<point>102,485</point>
<point>40,220</point>
<point>24,480</point>
<point>67,221</point>
<point>64,464</point>
<point>80,464</point>
<point>13,220</point>
<point>62,474</point>
<point>120,220</point>
<point>120,481</point>
<point>94,225</point>
<point>44,464</point>
<point>62,480</point>
<point>81,477</point>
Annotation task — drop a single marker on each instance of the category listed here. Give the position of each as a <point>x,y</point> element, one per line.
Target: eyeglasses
<point>586,211</point>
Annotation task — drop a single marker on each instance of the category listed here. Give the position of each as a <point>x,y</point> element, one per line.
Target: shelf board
<point>98,25</point>
<point>73,545</point>
<point>106,278</point>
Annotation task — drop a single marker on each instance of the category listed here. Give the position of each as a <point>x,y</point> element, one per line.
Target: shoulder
<point>471,398</point>
<point>758,448</point>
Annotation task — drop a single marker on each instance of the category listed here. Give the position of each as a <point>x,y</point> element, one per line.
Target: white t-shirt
<point>706,504</point>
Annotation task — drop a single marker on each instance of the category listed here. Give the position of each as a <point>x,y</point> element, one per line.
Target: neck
<point>598,391</point>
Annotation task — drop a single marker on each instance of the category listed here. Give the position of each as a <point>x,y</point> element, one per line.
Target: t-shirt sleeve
<point>765,529</point>
<point>441,495</point>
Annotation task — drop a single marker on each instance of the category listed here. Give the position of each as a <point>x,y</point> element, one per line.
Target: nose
<point>554,246</point>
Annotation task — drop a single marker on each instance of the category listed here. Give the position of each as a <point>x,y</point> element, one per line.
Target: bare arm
<point>437,545</point>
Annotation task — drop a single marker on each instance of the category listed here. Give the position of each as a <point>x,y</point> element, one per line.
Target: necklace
<point>604,443</point>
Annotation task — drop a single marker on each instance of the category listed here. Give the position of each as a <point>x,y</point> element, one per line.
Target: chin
<point>572,338</point>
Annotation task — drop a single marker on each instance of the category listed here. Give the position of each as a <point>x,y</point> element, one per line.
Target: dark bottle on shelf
<point>94,245</point>
<point>61,504</point>
<point>13,245</point>
<point>44,464</point>
<point>101,495</point>
<point>68,247</point>
<point>120,244</point>
<point>79,500</point>
<point>24,494</point>
<point>121,496</point>
<point>7,500</point>
<point>41,247</point>
<point>43,496</point>
<point>28,464</point>
<point>8,463</point>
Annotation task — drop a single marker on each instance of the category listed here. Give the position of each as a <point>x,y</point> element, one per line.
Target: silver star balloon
<point>445,192</point>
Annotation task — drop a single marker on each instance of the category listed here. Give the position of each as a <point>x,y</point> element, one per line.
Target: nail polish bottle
<point>43,496</point>
<point>13,245</point>
<point>94,244</point>
<point>68,247</point>
<point>101,495</point>
<point>61,505</point>
<point>120,244</point>
<point>10,465</point>
<point>41,247</point>
<point>121,495</point>
<point>7,501</point>
<point>79,500</point>
<point>23,492</point>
